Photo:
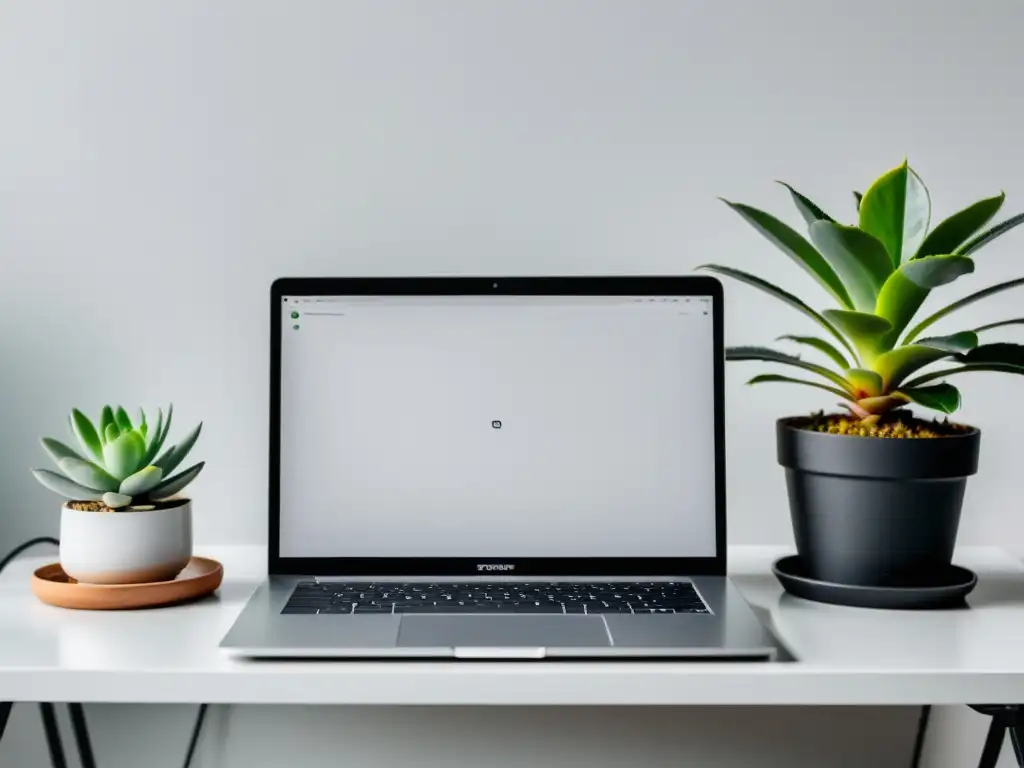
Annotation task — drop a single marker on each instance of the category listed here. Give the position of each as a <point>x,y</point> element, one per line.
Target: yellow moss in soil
<point>894,427</point>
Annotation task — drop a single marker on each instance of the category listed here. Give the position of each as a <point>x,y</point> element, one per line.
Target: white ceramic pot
<point>131,547</point>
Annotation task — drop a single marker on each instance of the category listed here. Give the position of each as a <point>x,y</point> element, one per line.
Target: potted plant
<point>875,491</point>
<point>122,469</point>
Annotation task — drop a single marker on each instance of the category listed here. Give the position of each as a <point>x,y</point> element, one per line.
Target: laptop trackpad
<point>499,631</point>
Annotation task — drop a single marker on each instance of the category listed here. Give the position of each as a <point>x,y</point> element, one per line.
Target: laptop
<point>497,468</point>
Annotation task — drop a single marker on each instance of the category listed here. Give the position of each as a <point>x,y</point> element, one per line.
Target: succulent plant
<point>121,464</point>
<point>879,272</point>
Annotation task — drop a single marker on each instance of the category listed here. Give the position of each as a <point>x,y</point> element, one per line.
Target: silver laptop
<point>497,468</point>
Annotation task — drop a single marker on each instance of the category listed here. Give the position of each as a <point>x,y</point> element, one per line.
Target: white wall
<point>161,162</point>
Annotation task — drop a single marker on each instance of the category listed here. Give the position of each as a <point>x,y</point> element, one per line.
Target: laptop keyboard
<point>528,597</point>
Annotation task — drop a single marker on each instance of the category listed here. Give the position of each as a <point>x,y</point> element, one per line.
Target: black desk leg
<point>57,759</point>
<point>85,756</point>
<point>5,712</point>
<point>1006,718</point>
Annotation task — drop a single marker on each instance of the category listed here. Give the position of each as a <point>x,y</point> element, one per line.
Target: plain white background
<point>162,162</point>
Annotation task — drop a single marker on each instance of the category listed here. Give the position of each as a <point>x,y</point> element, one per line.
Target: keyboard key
<point>373,609</point>
<point>298,609</point>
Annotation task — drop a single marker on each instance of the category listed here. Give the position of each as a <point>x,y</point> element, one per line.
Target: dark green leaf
<point>990,234</point>
<point>941,397</point>
<point>858,196</point>
<point>933,271</point>
<point>961,342</point>
<point>173,485</point>
<point>821,345</point>
<point>924,379</point>
<point>896,209</point>
<point>808,209</point>
<point>894,366</point>
<point>951,233</point>
<point>169,461</point>
<point>960,304</point>
<point>106,417</point>
<point>1000,324</point>
<point>765,378</point>
<point>62,486</point>
<point>123,422</point>
<point>86,433</point>
<point>778,293</point>
<point>790,242</point>
<point>996,354</point>
<point>859,259</point>
<point>766,355</point>
<point>866,331</point>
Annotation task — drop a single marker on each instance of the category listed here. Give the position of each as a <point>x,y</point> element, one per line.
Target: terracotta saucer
<point>199,578</point>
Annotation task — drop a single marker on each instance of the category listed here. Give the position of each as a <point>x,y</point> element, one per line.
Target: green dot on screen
<point>295,327</point>
<point>295,315</point>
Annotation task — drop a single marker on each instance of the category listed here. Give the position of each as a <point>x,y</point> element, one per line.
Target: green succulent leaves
<point>118,466</point>
<point>879,273</point>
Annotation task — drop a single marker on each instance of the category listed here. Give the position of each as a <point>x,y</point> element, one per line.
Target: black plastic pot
<point>875,511</point>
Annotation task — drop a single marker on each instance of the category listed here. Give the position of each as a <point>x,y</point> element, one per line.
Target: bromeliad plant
<point>121,465</point>
<point>879,272</point>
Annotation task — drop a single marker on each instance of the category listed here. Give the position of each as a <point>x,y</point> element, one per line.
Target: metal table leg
<point>53,741</point>
<point>1006,718</point>
<point>5,712</point>
<point>85,755</point>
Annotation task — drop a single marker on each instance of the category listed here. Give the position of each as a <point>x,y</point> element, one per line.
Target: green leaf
<point>123,422</point>
<point>960,304</point>
<point>940,397</point>
<point>925,378</point>
<point>175,455</point>
<point>821,345</point>
<point>62,486</point>
<point>142,481</point>
<point>894,366</point>
<point>1000,324</point>
<point>59,450</point>
<point>808,210</point>
<point>143,426</point>
<point>87,474</point>
<point>116,500</point>
<point>990,234</point>
<point>167,422</point>
<point>122,456</point>
<point>959,343</point>
<point>111,433</point>
<point>865,383</point>
<point>858,197</point>
<point>1000,353</point>
<point>156,439</point>
<point>866,331</point>
<point>86,433</point>
<point>933,271</point>
<point>896,209</point>
<point>859,259</point>
<point>765,378</point>
<point>766,355</point>
<point>951,233</point>
<point>796,247</point>
<point>778,293</point>
<point>177,483</point>
<point>106,417</point>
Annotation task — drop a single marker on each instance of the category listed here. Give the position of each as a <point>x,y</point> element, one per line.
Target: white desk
<point>845,655</point>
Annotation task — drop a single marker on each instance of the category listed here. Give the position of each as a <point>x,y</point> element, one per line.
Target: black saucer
<point>948,591</point>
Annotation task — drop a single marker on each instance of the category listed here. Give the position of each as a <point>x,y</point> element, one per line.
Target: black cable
<point>196,731</point>
<point>922,731</point>
<point>22,547</point>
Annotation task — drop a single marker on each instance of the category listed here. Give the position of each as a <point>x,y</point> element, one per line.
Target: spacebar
<point>481,608</point>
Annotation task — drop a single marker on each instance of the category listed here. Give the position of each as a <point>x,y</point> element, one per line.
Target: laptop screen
<point>497,427</point>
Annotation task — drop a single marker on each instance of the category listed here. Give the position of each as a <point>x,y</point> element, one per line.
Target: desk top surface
<point>843,655</point>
